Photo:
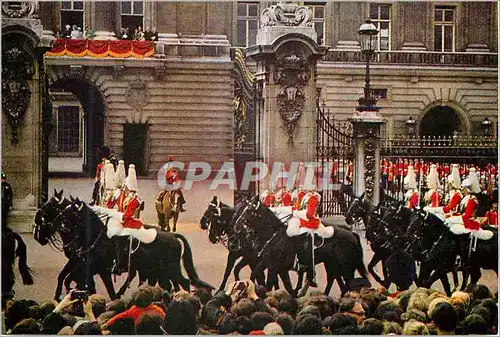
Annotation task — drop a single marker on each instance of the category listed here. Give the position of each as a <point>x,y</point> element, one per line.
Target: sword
<point>419,186</point>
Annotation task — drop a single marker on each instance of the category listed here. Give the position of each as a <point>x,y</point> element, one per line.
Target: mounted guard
<point>452,198</point>
<point>119,195</point>
<point>108,185</point>
<point>410,184</point>
<point>268,197</point>
<point>432,197</point>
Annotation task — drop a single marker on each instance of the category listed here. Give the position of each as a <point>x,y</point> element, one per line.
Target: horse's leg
<point>373,262</point>
<point>285,277</point>
<point>300,280</point>
<point>68,267</point>
<point>176,274</point>
<point>275,282</point>
<point>108,283</point>
<point>258,274</point>
<point>161,219</point>
<point>242,263</point>
<point>127,282</point>
<point>231,259</point>
<point>175,219</point>
<point>167,221</point>
<point>330,277</point>
<point>454,273</point>
<point>446,284</point>
<point>475,275</point>
<point>385,271</point>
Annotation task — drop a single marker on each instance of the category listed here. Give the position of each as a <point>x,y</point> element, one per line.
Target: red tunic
<point>98,170</point>
<point>286,199</point>
<point>269,200</point>
<point>391,171</point>
<point>492,218</point>
<point>128,217</point>
<point>298,202</point>
<point>434,199</point>
<point>468,216</point>
<point>452,206</point>
<point>413,200</point>
<point>312,221</point>
<point>120,201</point>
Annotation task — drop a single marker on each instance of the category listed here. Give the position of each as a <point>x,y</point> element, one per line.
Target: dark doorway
<point>135,146</point>
<point>440,121</point>
<point>94,109</point>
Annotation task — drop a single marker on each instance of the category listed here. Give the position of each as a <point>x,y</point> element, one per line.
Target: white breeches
<point>294,229</point>
<point>437,211</point>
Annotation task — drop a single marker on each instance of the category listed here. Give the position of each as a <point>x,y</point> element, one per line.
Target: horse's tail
<point>187,259</point>
<point>360,265</point>
<point>21,252</point>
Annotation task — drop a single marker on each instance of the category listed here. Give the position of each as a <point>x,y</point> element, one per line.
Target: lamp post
<point>367,32</point>
<point>486,126</point>
<point>410,126</point>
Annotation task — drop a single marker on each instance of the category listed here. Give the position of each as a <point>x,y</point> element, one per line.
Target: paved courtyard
<point>209,259</point>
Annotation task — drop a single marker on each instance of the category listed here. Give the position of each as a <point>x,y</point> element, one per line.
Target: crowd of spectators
<point>76,33</point>
<point>248,310</point>
<point>138,34</point>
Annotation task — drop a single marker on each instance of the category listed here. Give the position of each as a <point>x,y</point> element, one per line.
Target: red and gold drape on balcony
<point>100,49</point>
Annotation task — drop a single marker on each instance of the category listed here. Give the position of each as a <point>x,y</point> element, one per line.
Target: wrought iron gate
<point>335,155</point>
<point>247,102</point>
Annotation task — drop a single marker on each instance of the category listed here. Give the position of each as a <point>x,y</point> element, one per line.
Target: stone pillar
<point>104,19</point>
<point>23,79</point>
<point>286,55</point>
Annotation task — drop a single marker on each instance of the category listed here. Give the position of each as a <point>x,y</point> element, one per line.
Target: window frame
<point>246,18</point>
<point>61,10</point>
<point>313,6</point>
<point>443,24</point>
<point>377,22</point>
<point>132,13</point>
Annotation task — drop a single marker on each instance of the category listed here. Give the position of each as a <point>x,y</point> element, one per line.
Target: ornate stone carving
<point>240,119</point>
<point>292,73</point>
<point>137,95</point>
<point>369,167</point>
<point>17,70</point>
<point>20,9</point>
<point>287,15</point>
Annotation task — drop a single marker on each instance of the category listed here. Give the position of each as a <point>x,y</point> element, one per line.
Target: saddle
<point>480,234</point>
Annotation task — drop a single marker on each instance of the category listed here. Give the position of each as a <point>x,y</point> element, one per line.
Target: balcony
<point>422,58</point>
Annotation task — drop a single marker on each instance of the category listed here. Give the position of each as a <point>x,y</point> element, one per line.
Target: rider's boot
<point>116,264</point>
<point>182,201</point>
<point>310,263</point>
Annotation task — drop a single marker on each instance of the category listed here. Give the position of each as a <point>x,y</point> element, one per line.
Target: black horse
<point>83,232</point>
<point>438,248</point>
<point>342,254</point>
<point>9,254</point>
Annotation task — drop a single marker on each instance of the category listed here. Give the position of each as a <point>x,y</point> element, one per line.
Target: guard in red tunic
<point>297,196</point>
<point>454,196</point>
<point>410,184</point>
<point>492,214</point>
<point>468,205</point>
<point>268,198</point>
<point>172,178</point>
<point>432,197</point>
<point>286,198</point>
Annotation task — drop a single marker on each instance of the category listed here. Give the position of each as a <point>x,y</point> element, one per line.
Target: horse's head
<point>67,224</point>
<point>44,217</point>
<point>213,220</point>
<point>357,210</point>
<point>255,215</point>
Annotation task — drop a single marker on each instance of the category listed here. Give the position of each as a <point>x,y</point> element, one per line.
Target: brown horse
<point>167,207</point>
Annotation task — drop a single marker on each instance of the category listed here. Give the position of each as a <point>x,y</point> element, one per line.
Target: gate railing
<point>335,154</point>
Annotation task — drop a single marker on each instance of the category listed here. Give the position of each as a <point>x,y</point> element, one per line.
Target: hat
<point>131,181</point>
<point>109,175</point>
<point>273,329</point>
<point>120,174</point>
<point>410,180</point>
<point>474,187</point>
<point>433,178</point>
<point>454,177</point>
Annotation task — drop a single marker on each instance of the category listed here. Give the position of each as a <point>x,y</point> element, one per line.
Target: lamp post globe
<point>368,32</point>
<point>368,38</point>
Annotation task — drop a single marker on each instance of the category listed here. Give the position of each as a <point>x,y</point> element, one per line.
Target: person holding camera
<point>77,302</point>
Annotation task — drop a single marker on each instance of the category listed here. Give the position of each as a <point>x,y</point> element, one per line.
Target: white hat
<point>475,188</point>
<point>131,181</point>
<point>109,175</point>
<point>454,177</point>
<point>120,174</point>
<point>433,178</point>
<point>410,180</point>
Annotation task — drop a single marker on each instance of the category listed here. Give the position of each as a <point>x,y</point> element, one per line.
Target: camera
<point>82,296</point>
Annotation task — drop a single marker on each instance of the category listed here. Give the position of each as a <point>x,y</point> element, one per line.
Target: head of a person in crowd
<point>242,325</point>
<point>478,292</point>
<point>348,330</point>
<point>389,311</point>
<point>149,324</point>
<point>260,319</point>
<point>226,326</point>
<point>309,310</point>
<point>308,325</point>
<point>194,301</point>
<point>157,294</point>
<point>322,303</point>
<point>392,328</point>
<point>245,307</point>
<point>66,331</point>
<point>15,312</point>
<point>338,321</point>
<point>261,291</point>
<point>203,294</point>
<point>484,313</point>
<point>166,298</point>
<point>47,307</point>
<point>143,297</point>
<point>473,325</point>
<point>492,307</point>
<point>273,329</point>
<point>27,326</point>
<point>445,318</point>
<point>98,304</point>
<point>53,323</point>
<point>371,301</point>
<point>117,306</point>
<point>105,317</point>
<point>286,322</point>
<point>181,318</point>
<point>35,312</point>
<point>354,309</point>
<point>289,306</point>
<point>372,326</point>
<point>123,326</point>
<point>415,328</point>
<point>88,328</point>
<point>272,302</point>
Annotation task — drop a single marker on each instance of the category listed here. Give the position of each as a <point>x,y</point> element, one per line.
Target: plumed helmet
<point>131,181</point>
<point>109,175</point>
<point>475,188</point>
<point>454,177</point>
<point>433,178</point>
<point>120,174</point>
<point>410,180</point>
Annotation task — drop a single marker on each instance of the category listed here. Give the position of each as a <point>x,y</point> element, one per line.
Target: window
<point>379,93</point>
<point>72,14</point>
<point>381,18</point>
<point>132,14</point>
<point>68,129</point>
<point>318,18</point>
<point>247,26</point>
<point>444,28</point>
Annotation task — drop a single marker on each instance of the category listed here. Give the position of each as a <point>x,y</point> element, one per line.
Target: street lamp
<point>410,126</point>
<point>487,127</point>
<point>367,32</point>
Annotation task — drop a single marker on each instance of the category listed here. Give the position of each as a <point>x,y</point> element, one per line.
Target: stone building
<point>434,60</point>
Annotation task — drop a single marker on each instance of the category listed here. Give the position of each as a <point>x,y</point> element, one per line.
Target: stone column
<point>286,55</point>
<point>104,19</point>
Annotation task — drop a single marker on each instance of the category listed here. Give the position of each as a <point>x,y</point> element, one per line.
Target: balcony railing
<point>477,59</point>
